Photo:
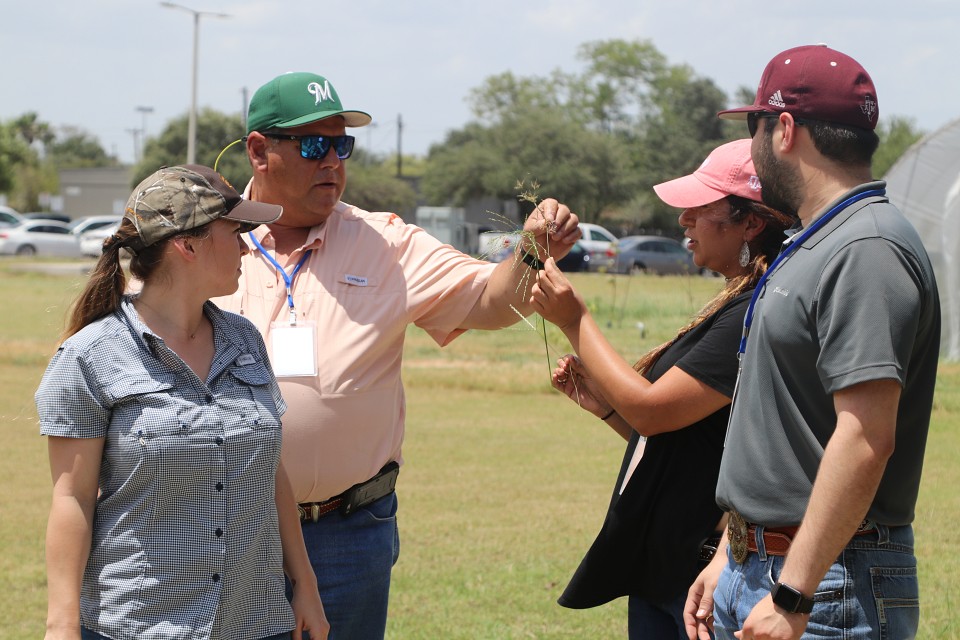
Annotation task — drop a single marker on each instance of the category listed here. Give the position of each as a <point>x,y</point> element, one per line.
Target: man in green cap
<point>333,289</point>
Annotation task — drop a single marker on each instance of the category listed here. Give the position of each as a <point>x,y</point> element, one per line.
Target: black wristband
<point>612,411</point>
<point>531,260</point>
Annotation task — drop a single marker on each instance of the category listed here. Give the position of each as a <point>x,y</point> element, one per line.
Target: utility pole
<point>143,131</point>
<point>399,146</point>
<point>136,143</point>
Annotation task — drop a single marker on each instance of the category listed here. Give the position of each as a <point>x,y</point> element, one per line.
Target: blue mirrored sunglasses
<point>317,147</point>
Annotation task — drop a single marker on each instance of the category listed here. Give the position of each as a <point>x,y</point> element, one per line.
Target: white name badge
<point>293,349</point>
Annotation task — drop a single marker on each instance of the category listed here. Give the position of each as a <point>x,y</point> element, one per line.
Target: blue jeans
<point>869,593</point>
<point>86,634</point>
<point>648,620</point>
<point>352,557</point>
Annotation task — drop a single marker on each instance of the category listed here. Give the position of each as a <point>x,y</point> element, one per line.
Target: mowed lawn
<point>505,483</point>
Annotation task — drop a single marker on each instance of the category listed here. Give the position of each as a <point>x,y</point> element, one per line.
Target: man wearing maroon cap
<point>821,467</point>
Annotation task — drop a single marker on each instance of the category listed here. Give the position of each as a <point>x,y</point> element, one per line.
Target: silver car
<point>39,238</point>
<point>653,254</point>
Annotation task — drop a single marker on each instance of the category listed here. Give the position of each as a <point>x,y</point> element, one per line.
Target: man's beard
<point>781,183</point>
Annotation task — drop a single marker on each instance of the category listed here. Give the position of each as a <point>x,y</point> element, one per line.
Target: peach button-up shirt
<point>368,276</point>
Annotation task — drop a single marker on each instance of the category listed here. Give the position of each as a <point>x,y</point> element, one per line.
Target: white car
<point>600,245</point>
<point>90,223</point>
<point>39,238</point>
<point>91,242</point>
<point>9,217</point>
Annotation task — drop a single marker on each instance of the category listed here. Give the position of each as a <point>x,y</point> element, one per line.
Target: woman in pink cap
<point>672,405</point>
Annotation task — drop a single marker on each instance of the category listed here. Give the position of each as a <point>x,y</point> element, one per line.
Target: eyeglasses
<point>753,120</point>
<point>317,147</point>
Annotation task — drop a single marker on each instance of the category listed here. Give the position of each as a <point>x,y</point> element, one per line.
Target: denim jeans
<point>648,620</point>
<point>869,593</point>
<point>353,557</point>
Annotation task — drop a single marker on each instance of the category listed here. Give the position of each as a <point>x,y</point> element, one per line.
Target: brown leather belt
<point>313,511</point>
<point>742,536</point>
<point>379,486</point>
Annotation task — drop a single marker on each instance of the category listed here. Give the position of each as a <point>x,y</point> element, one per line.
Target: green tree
<point>14,152</point>
<point>897,134</point>
<point>614,90</point>
<point>598,140</point>
<point>215,130</point>
<point>77,149</point>
<point>372,185</point>
<point>586,169</point>
<point>676,134</point>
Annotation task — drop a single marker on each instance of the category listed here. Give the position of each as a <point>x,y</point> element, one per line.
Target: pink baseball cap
<point>815,82</point>
<point>728,170</point>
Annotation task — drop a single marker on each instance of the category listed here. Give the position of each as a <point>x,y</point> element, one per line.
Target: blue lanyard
<point>793,246</point>
<point>287,278</point>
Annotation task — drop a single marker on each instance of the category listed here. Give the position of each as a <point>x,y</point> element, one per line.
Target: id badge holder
<point>293,348</point>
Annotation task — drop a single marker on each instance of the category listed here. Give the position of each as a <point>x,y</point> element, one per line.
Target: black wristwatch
<point>530,259</point>
<point>791,600</point>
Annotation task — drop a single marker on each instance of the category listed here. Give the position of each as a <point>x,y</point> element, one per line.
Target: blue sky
<point>91,64</point>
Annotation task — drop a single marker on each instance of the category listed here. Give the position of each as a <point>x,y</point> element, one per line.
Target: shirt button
<point>209,398</point>
<point>219,486</point>
<point>219,532</point>
<point>219,440</point>
<point>216,577</point>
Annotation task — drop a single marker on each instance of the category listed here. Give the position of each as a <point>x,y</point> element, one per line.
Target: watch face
<point>791,600</point>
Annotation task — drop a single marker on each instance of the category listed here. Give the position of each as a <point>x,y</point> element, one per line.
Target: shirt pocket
<point>256,385</point>
<point>142,409</point>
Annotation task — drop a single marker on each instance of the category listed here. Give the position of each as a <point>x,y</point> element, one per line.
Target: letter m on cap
<point>320,93</point>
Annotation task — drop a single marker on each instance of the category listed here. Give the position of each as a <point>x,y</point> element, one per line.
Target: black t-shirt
<point>649,544</point>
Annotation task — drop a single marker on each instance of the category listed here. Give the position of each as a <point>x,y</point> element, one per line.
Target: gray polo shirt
<point>856,302</point>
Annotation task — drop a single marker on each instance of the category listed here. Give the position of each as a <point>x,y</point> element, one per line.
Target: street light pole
<point>192,119</point>
<point>143,131</point>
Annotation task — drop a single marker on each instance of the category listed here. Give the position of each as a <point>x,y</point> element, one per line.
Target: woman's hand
<point>554,298</point>
<point>572,378</point>
<point>308,610</point>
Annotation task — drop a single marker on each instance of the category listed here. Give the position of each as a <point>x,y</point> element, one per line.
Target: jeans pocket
<point>896,593</point>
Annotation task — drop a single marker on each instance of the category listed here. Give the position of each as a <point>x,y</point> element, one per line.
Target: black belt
<point>359,495</point>
<point>708,548</point>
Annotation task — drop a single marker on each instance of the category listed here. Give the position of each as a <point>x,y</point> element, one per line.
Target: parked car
<point>91,242</point>
<point>600,245</point>
<point>47,215</point>
<point>576,260</point>
<point>9,217</point>
<point>39,237</point>
<point>653,254</point>
<point>80,226</point>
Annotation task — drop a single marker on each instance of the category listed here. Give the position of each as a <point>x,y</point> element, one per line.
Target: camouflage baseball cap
<point>177,199</point>
<point>294,99</point>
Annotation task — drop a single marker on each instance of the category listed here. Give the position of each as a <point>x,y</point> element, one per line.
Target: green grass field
<point>505,483</point>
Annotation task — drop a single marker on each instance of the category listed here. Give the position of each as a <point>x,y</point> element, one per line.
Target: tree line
<point>597,138</point>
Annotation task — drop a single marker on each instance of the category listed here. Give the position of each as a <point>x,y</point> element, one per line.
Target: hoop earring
<point>744,254</point>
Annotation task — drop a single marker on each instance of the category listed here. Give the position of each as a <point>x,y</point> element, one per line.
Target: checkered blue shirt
<point>185,536</point>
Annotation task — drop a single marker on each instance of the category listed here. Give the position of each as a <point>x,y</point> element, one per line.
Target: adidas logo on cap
<point>777,100</point>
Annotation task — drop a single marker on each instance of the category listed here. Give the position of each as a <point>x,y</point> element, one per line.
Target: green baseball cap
<point>297,98</point>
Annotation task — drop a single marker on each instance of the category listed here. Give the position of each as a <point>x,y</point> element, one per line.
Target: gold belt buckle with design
<point>737,534</point>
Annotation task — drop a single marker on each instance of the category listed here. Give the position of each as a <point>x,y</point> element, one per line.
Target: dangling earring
<point>744,254</point>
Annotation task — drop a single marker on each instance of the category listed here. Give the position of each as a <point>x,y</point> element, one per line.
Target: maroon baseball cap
<point>818,83</point>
